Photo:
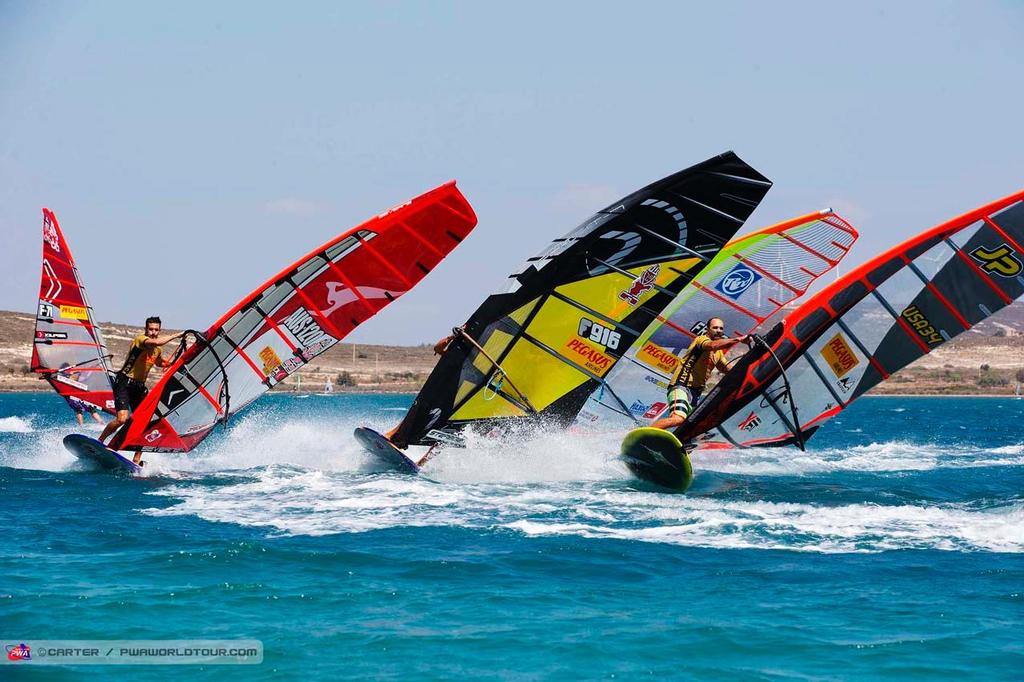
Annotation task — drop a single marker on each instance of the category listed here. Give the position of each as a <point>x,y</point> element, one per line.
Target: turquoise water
<point>891,549</point>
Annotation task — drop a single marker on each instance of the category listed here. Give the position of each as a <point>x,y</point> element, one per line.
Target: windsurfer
<point>705,353</point>
<point>79,407</point>
<point>439,349</point>
<point>130,381</point>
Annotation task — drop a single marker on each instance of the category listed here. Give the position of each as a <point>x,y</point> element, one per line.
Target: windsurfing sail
<point>68,349</point>
<point>568,316</point>
<point>295,316</point>
<point>748,282</point>
<point>866,326</point>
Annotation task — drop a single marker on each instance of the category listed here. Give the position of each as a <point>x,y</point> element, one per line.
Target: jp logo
<point>1001,260</point>
<point>738,280</point>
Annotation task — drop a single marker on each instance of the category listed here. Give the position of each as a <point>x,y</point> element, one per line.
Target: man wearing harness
<point>439,349</point>
<point>705,353</point>
<point>130,381</point>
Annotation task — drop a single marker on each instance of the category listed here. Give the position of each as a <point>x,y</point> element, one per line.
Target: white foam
<point>810,528</point>
<point>261,439</point>
<point>875,457</point>
<point>43,451</point>
<point>296,502</point>
<point>530,457</point>
<point>302,473</point>
<point>16,425</point>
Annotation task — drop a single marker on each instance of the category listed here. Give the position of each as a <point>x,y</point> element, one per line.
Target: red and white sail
<point>295,316</point>
<point>865,327</point>
<point>67,347</point>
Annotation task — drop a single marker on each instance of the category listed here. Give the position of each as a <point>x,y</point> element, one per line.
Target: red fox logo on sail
<point>641,285</point>
<point>19,652</point>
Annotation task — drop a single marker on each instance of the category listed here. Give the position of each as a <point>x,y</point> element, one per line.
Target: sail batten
<point>748,282</point>
<point>870,324</point>
<point>570,313</point>
<point>68,349</point>
<point>295,316</point>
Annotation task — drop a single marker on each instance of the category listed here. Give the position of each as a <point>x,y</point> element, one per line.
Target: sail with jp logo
<point>747,283</point>
<point>865,327</point>
<point>68,349</point>
<point>294,317</point>
<point>570,314</point>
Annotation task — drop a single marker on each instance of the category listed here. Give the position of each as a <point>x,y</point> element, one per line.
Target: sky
<point>192,150</point>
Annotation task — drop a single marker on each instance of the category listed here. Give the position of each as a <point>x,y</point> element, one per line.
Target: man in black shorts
<point>130,381</point>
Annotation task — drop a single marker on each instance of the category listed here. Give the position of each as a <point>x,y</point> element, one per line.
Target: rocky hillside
<point>986,359</point>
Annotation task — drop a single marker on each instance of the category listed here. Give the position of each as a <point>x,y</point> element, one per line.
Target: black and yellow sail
<point>539,349</point>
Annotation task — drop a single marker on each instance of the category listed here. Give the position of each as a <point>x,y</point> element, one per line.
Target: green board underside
<point>657,456</point>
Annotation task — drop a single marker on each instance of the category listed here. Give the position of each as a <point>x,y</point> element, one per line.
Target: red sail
<point>68,349</point>
<point>865,327</point>
<point>295,316</point>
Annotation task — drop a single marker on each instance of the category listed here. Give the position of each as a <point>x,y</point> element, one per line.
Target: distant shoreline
<point>973,364</point>
<point>1008,396</point>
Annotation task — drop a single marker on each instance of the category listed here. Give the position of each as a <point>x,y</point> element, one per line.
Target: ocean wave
<point>808,528</point>
<point>261,439</point>
<point>43,451</point>
<point>290,501</point>
<point>16,425</point>
<point>322,440</point>
<point>881,457</point>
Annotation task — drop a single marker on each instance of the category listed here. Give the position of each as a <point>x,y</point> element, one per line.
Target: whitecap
<point>878,457</point>
<point>290,501</point>
<point>16,425</point>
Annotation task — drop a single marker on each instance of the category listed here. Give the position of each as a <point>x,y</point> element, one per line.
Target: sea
<point>893,548</point>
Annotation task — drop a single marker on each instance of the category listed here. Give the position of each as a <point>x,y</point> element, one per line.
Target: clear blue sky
<point>191,150</point>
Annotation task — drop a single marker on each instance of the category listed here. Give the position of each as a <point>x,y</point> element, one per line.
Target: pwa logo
<point>1002,260</point>
<point>19,652</point>
<point>641,285</point>
<point>737,280</point>
<point>153,435</point>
